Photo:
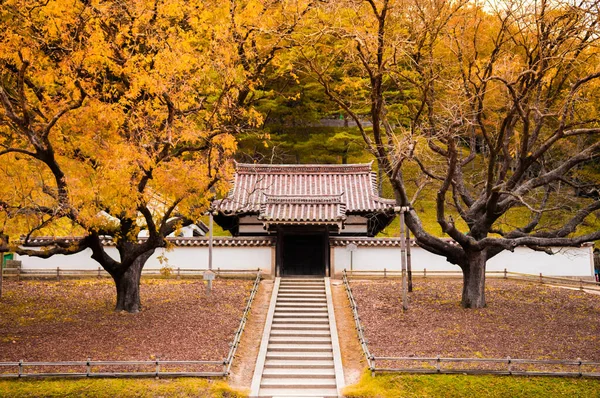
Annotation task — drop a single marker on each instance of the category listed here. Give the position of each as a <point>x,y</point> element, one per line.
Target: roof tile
<point>301,192</point>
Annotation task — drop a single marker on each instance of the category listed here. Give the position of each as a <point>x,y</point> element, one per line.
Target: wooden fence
<point>60,273</point>
<point>357,324</point>
<point>492,366</point>
<point>495,366</point>
<point>88,369</point>
<point>238,333</point>
<point>158,367</point>
<point>551,280</point>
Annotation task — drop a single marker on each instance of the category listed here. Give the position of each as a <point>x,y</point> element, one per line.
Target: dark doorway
<point>303,254</point>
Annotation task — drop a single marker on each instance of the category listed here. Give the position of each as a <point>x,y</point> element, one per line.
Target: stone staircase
<point>299,354</point>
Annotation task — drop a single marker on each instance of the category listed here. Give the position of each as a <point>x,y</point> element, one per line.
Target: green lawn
<point>394,385</point>
<point>382,386</point>
<point>139,388</point>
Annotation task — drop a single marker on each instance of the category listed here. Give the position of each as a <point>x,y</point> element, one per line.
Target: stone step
<point>300,311</point>
<point>308,306</point>
<point>301,295</point>
<point>300,326</point>
<point>300,340</point>
<point>306,347</point>
<point>303,392</point>
<point>294,356</point>
<point>299,359</point>
<point>299,364</point>
<point>298,308</point>
<point>317,373</point>
<point>300,314</point>
<point>286,308</point>
<point>300,333</point>
<point>281,319</point>
<point>307,300</point>
<point>302,280</point>
<point>298,382</point>
<point>301,291</point>
<point>303,287</point>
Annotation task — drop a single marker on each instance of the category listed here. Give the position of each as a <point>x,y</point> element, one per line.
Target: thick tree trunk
<point>473,294</point>
<point>128,285</point>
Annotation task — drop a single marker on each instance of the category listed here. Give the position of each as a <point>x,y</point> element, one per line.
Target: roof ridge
<point>304,168</point>
<point>307,195</point>
<point>302,164</point>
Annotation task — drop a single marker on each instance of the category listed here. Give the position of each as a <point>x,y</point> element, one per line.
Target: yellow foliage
<point>157,127</point>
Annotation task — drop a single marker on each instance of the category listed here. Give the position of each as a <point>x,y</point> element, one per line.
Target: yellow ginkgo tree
<point>116,117</point>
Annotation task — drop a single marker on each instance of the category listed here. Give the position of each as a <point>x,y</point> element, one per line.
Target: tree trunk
<point>128,285</point>
<point>473,294</point>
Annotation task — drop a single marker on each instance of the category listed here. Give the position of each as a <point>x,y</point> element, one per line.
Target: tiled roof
<point>220,241</point>
<point>373,242</point>
<point>256,188</point>
<point>306,209</point>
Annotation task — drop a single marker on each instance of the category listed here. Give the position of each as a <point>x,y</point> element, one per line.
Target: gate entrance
<point>303,254</point>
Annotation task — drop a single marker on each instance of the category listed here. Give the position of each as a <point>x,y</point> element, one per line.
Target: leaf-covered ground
<point>74,320</point>
<point>521,320</point>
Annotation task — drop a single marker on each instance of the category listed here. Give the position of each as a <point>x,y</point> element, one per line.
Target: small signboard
<point>351,247</point>
<point>209,275</point>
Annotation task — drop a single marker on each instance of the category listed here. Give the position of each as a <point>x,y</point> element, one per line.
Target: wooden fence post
<point>384,273</point>
<point>1,272</point>
<point>99,272</point>
<point>403,262</point>
<point>505,274</point>
<point>580,284</point>
<point>58,274</point>
<point>408,260</point>
<point>541,278</point>
<point>178,272</point>
<point>424,273</point>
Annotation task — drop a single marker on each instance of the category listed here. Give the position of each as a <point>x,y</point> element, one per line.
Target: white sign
<point>351,247</point>
<point>209,275</point>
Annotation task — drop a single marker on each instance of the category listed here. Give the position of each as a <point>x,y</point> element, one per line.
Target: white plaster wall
<point>235,258</point>
<point>567,262</point>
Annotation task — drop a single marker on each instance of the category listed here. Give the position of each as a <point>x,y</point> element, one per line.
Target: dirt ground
<point>521,320</point>
<point>74,320</point>
<point>245,359</point>
<point>353,359</point>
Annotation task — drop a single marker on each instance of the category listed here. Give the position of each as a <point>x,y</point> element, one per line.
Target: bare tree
<point>495,104</point>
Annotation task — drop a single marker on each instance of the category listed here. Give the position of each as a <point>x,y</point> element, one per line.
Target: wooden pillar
<point>210,240</point>
<point>403,259</point>
<point>1,272</point>
<point>408,259</point>
<point>209,275</point>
